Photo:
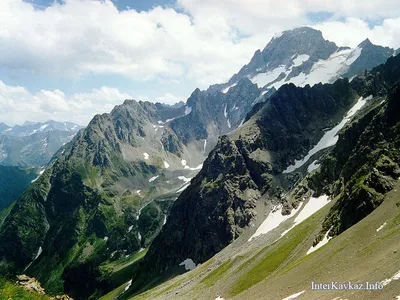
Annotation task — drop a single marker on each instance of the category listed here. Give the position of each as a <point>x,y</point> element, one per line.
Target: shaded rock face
<point>216,113</point>
<point>211,212</point>
<point>361,168</point>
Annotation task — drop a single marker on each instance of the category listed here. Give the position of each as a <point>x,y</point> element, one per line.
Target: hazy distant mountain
<point>33,144</point>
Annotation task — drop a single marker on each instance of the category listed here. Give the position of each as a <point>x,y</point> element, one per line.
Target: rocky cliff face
<point>370,56</point>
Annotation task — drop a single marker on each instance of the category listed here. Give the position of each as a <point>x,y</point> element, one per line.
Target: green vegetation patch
<point>9,290</point>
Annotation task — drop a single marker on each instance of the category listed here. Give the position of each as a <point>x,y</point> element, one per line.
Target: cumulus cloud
<point>55,105</point>
<point>79,37</point>
<point>351,32</point>
<point>169,98</point>
<point>206,43</point>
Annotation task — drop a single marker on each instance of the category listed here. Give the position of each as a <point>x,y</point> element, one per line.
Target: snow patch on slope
<point>188,264</point>
<point>128,286</point>
<point>194,169</point>
<point>153,178</point>
<point>324,70</point>
<point>394,277</point>
<point>300,59</point>
<point>185,179</point>
<point>323,242</point>
<point>353,56</point>
<point>313,205</point>
<point>294,296</point>
<point>274,219</point>
<point>188,110</point>
<point>263,79</point>
<point>381,227</point>
<point>313,166</point>
<point>228,88</point>
<point>40,174</point>
<point>183,188</point>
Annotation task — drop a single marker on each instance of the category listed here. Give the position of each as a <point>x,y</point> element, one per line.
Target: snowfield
<point>324,71</point>
<point>294,296</point>
<point>188,264</point>
<point>274,219</point>
<point>323,242</point>
<point>313,205</point>
<point>153,178</point>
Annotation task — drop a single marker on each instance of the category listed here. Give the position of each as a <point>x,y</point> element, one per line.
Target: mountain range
<point>33,144</point>
<point>149,191</point>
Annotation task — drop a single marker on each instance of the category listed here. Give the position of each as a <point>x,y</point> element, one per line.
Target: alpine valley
<point>286,174</point>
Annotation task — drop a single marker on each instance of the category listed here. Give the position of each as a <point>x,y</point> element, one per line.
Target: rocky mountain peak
<point>289,48</point>
<point>301,40</point>
<point>365,43</point>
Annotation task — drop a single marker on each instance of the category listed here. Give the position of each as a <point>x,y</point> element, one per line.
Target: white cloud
<point>55,105</point>
<point>168,98</point>
<point>205,45</point>
<point>352,31</point>
<point>80,37</point>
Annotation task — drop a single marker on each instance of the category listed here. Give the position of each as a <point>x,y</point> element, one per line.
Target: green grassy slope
<point>283,268</point>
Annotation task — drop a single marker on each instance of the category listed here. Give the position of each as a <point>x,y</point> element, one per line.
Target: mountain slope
<point>106,195</point>
<point>89,205</point>
<point>366,252</point>
<point>252,166</point>
<point>221,200</point>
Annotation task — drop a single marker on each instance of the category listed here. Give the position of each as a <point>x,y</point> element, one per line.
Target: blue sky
<point>71,60</point>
